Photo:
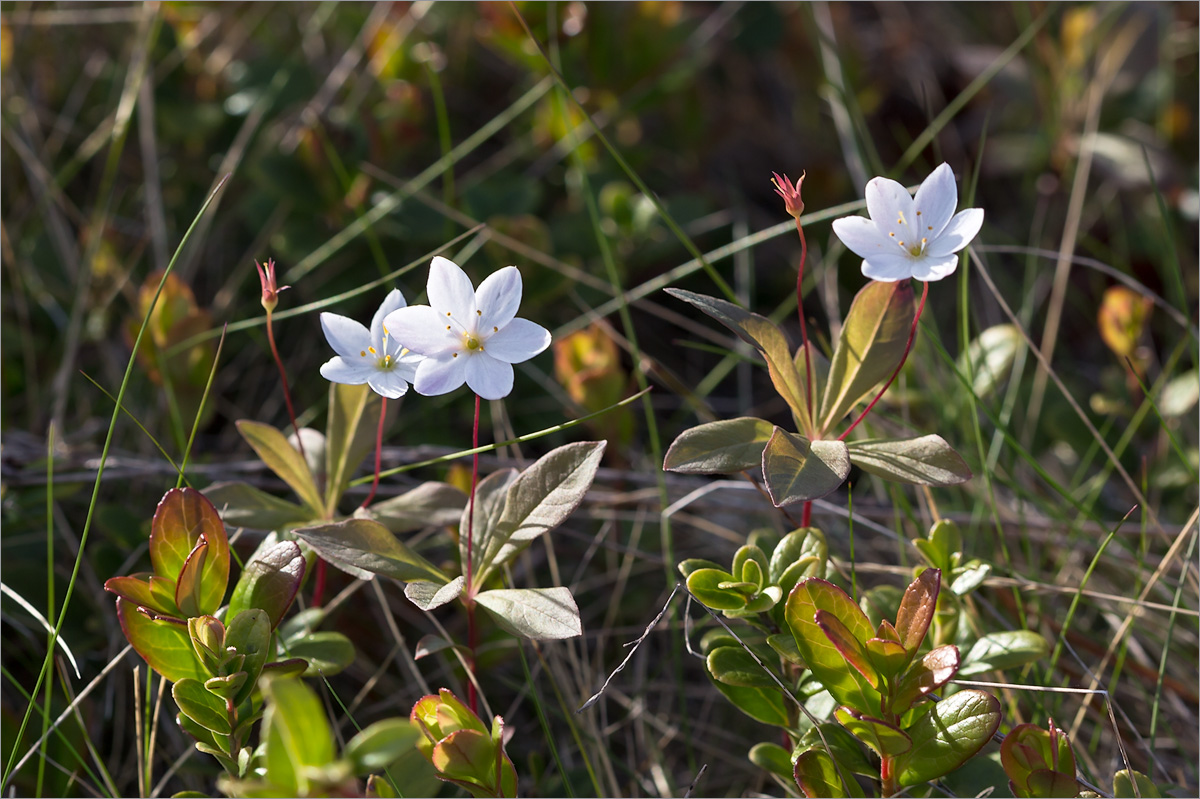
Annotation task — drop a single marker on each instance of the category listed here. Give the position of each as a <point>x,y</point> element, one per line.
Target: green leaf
<point>381,744</point>
<point>164,645</point>
<point>430,504</point>
<point>349,437</point>
<point>468,757</point>
<point>364,548</point>
<point>723,447</point>
<point>705,586</point>
<point>784,645</point>
<point>1044,782</point>
<point>733,665</point>
<point>916,610</point>
<point>798,470</point>
<point>187,587</point>
<point>820,365</point>
<point>201,734</point>
<point>847,751</point>
<point>852,649</point>
<point>1123,785</point>
<point>886,739</point>
<point>969,577</point>
<point>327,653</point>
<point>869,348</point>
<point>946,737</point>
<point>990,357</point>
<point>428,596</point>
<point>243,505</point>
<point>686,567</point>
<point>540,499</point>
<point>139,590</point>
<point>283,459</point>
<point>297,734</point>
<point>888,657</point>
<point>806,542</point>
<point>269,581</point>
<point>926,461</point>
<point>943,542</point>
<point>750,565</point>
<point>926,675</point>
<point>824,659</point>
<point>767,705</point>
<point>184,518</point>
<point>817,775</point>
<point>766,337</point>
<point>199,704</point>
<point>490,496</point>
<point>1003,650</point>
<point>772,758</point>
<point>538,613</point>
<point>250,634</point>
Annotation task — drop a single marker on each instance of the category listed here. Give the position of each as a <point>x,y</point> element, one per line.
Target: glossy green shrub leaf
<point>1003,650</point>
<point>1039,762</point>
<point>188,585</point>
<point>381,744</point>
<point>753,559</point>
<point>1123,785</point>
<point>250,634</point>
<point>821,656</point>
<point>926,460</point>
<point>916,610</point>
<point>467,758</point>
<point>270,580</point>
<point>1051,784</point>
<point>722,447</point>
<point>430,504</point>
<point>686,567</point>
<point>705,586</point>
<point>926,675</point>
<point>198,703</point>
<point>869,347</point>
<point>763,704</point>
<point>364,548</point>
<point>990,357</point>
<point>798,470</point>
<point>140,590</point>
<point>350,436</point>
<point>796,547</point>
<point>851,648</point>
<point>164,645</point>
<point>243,505</point>
<point>538,613</point>
<point>327,653</point>
<point>490,496</point>
<point>969,576</point>
<point>946,737</point>
<point>817,775</point>
<point>202,734</point>
<point>540,499</point>
<point>182,520</point>
<point>733,665</point>
<point>428,596</point>
<point>944,541</point>
<point>784,645</point>
<point>296,732</point>
<point>847,751</point>
<point>886,739</point>
<point>766,337</point>
<point>772,758</point>
<point>887,656</point>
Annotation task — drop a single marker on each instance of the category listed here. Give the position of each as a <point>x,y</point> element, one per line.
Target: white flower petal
<point>958,233</point>
<point>518,341</point>
<point>929,268</point>
<point>347,337</point>
<point>392,302</point>
<point>935,202</point>
<point>891,208</point>
<point>388,383</point>
<point>450,291</point>
<point>489,378</point>
<point>406,365</point>
<point>350,372</point>
<point>862,237</point>
<point>888,268</point>
<point>498,298</point>
<point>440,375</point>
<point>423,330</point>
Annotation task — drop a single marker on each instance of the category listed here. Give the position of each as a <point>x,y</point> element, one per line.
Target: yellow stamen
<point>372,350</point>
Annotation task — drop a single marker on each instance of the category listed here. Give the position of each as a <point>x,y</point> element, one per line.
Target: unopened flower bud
<point>789,193</point>
<point>270,289</point>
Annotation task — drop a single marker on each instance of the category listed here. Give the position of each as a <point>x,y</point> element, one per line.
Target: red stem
<point>378,450</point>
<point>808,371</point>
<point>806,515</point>
<point>912,333</point>
<point>287,395</point>
<point>472,632</point>
<point>319,583</point>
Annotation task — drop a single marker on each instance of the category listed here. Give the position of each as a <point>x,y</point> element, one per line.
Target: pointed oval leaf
<point>428,596</point>
<point>270,580</point>
<point>538,613</point>
<point>722,447</point>
<point>327,653</point>
<point>817,775</point>
<point>136,588</point>
<point>282,458</point>
<point>820,366</point>
<point>733,665</point>
<point>850,647</point>
<point>481,520</point>
<point>765,336</point>
<point>364,548</point>
<point>917,609</point>
<point>377,746</point>
<point>928,674</point>
<point>182,519</point>
<point>950,734</point>
<point>187,587</point>
<point>886,739</point>
<point>430,504</point>
<point>201,705</point>
<point>763,704</point>
<point>824,659</point>
<point>164,645</point>
<point>705,586</point>
<point>243,505</point>
<point>1003,650</point>
<point>349,437</point>
<point>772,758</point>
<point>798,470</point>
<point>926,460</point>
<point>297,734</point>
<point>870,346</point>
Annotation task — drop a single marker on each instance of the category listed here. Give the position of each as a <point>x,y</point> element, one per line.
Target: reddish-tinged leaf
<point>851,648</point>
<point>917,609</point>
<point>954,730</point>
<point>798,470</point>
<point>926,675</point>
<point>269,581</point>
<point>888,657</point>
<point>187,587</point>
<point>885,739</point>
<point>816,775</point>
<point>823,659</point>
<point>466,755</point>
<point>164,645</point>
<point>136,588</point>
<point>183,517</point>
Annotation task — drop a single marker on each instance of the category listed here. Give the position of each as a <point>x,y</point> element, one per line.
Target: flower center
<point>472,343</point>
<point>386,362</point>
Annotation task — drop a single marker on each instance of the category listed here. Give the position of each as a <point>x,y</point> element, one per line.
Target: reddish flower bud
<point>270,290</point>
<point>789,193</point>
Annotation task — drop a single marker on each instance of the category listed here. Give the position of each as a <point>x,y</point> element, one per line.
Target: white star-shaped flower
<point>370,356</point>
<point>910,237</point>
<point>468,336</point>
